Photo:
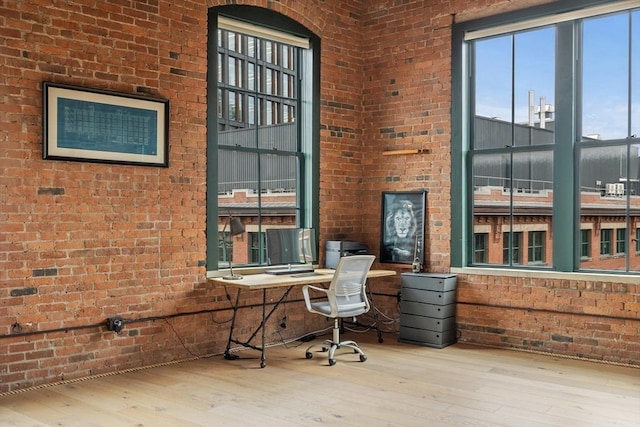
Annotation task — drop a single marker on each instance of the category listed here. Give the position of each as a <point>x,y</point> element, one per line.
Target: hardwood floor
<point>399,385</point>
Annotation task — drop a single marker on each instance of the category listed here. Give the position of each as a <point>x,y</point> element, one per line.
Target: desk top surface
<point>265,281</point>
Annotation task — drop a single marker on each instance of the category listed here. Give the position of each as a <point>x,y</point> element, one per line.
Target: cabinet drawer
<point>427,338</point>
<point>429,323</point>
<point>428,310</point>
<point>429,281</point>
<point>428,297</point>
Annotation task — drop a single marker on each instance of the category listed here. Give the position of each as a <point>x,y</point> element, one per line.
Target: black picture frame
<point>403,227</point>
<point>93,125</point>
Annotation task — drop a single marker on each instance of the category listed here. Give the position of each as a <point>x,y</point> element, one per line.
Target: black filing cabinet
<point>428,309</point>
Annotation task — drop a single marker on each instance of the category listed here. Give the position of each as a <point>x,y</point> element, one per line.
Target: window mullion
<point>566,220</point>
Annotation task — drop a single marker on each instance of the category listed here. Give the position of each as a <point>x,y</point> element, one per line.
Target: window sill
<point>539,274</point>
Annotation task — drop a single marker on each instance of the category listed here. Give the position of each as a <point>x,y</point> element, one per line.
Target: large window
<point>263,131</point>
<point>547,132</point>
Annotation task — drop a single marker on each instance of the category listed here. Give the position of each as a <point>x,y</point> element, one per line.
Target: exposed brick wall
<point>585,318</point>
<point>80,242</point>
<point>407,106</point>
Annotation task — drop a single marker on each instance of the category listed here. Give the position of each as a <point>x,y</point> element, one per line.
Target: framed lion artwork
<point>403,227</point>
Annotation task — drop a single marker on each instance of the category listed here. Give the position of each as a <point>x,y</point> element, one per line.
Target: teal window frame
<point>308,154</point>
<point>566,253</point>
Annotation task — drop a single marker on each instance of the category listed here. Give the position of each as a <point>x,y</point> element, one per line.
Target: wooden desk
<point>270,281</point>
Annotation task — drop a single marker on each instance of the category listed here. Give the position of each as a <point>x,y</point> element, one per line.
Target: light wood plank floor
<point>399,385</point>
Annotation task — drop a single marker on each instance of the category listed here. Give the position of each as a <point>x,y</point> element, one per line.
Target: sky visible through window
<point>508,67</point>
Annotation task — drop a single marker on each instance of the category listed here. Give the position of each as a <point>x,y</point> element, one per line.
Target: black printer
<point>335,249</point>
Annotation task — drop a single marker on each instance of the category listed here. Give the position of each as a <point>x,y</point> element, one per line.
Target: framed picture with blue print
<point>403,227</point>
<point>94,125</point>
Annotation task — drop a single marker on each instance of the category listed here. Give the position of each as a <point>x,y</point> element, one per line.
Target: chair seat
<point>325,308</point>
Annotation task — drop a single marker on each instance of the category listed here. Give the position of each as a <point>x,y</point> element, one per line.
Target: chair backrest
<point>348,283</point>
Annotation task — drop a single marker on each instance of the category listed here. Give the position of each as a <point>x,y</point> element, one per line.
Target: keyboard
<point>307,274</point>
<point>281,271</point>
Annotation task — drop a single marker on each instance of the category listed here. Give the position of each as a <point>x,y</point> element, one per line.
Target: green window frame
<point>559,153</point>
<point>263,126</point>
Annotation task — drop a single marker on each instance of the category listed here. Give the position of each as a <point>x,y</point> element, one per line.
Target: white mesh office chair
<point>346,297</point>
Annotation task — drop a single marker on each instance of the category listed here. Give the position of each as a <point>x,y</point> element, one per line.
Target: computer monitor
<point>291,246</point>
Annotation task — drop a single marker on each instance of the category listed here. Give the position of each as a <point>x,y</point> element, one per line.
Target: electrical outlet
<point>399,296</point>
<point>115,324</point>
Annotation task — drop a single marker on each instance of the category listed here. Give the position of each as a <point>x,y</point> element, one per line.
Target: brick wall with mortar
<point>83,241</point>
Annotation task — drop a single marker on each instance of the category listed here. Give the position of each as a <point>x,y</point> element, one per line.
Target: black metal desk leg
<point>375,315</point>
<point>263,359</point>
<point>227,354</point>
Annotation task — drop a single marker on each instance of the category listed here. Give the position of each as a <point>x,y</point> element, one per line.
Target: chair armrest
<point>306,294</point>
<point>330,297</point>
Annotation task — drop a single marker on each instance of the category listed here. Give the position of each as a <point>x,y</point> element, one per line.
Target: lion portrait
<point>400,229</point>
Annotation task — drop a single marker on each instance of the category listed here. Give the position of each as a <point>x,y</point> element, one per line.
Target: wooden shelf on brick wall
<point>406,152</point>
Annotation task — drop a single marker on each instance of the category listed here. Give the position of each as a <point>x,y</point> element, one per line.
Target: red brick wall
<point>80,242</point>
<point>581,317</point>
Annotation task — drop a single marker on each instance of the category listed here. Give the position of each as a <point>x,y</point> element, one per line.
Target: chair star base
<point>335,344</point>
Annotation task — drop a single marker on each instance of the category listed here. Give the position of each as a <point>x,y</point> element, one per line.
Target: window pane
<point>609,197</point>
<point>493,76</point>
<point>514,90</point>
<point>605,91</point>
<point>279,174</point>
<point>511,192</point>
<point>231,71</point>
<point>251,47</point>
<point>534,74</point>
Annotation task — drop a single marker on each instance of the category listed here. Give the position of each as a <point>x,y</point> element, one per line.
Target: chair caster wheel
<point>332,362</point>
<point>380,340</point>
<point>308,355</point>
<point>263,364</point>
<point>363,357</point>
<point>325,349</point>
